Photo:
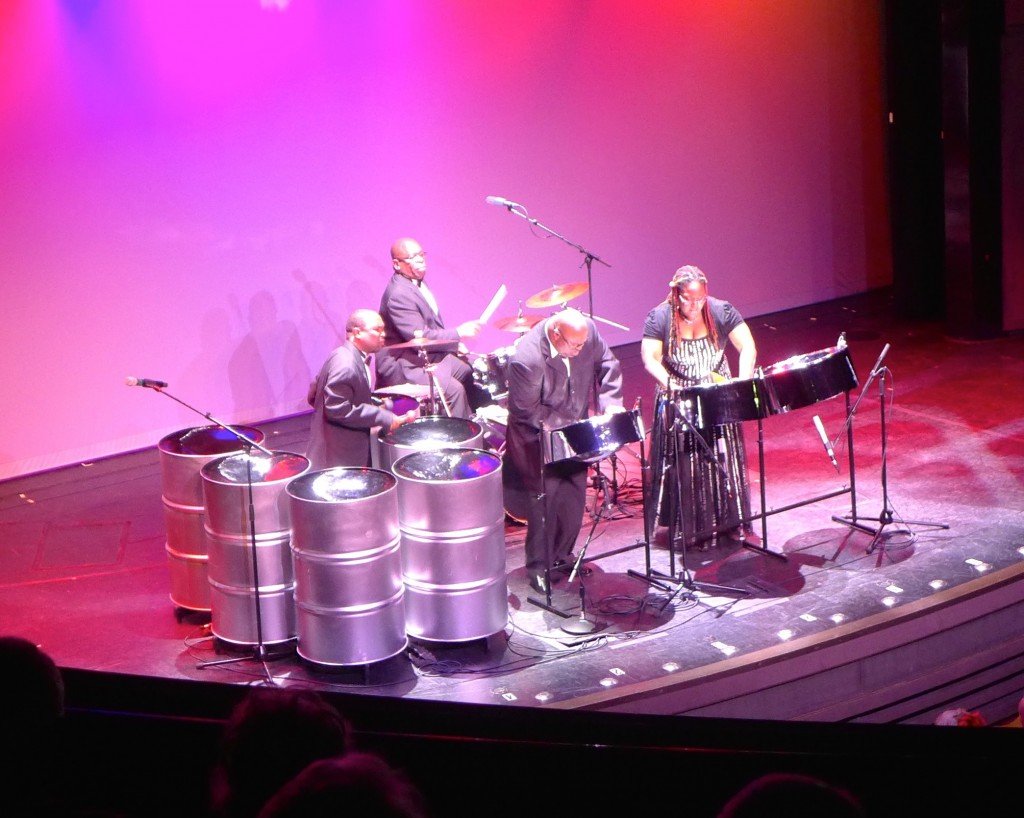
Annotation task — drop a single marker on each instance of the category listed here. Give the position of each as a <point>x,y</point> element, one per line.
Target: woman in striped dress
<point>684,345</point>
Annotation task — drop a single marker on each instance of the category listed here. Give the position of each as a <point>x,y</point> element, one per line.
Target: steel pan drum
<point>349,596</point>
<point>594,438</point>
<point>232,583</point>
<point>182,457</point>
<point>453,544</point>
<point>427,434</point>
<point>804,380</point>
<point>714,404</point>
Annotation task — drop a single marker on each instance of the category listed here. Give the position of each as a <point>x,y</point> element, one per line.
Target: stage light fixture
<point>728,650</point>
<point>937,584</point>
<point>670,667</point>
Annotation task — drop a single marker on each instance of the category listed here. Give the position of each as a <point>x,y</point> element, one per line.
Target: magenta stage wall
<point>200,192</point>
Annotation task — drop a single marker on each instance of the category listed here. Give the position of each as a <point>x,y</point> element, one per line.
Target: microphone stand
<point>260,653</point>
<point>600,481</point>
<point>879,536</point>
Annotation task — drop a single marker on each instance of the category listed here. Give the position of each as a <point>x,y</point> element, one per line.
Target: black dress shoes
<point>563,565</point>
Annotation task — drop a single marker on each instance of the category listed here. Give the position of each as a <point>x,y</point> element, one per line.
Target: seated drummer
<point>410,310</point>
<point>344,409</point>
<point>551,380</point>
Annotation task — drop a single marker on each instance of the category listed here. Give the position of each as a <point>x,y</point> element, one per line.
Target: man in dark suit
<point>343,411</point>
<point>410,310</point>
<point>550,381</point>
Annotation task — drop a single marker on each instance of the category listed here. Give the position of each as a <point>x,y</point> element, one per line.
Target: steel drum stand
<point>879,535</point>
<point>670,460</point>
<point>259,650</point>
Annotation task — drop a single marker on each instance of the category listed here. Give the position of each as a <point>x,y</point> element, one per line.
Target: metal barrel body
<point>428,434</point>
<point>453,544</point>
<point>233,579</point>
<point>182,457</point>
<point>349,596</point>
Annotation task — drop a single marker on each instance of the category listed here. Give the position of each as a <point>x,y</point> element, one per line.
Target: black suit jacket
<point>405,311</point>
<point>343,413</point>
<point>541,394</point>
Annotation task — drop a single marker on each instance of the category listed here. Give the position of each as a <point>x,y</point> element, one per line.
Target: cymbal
<point>521,323</point>
<point>420,343</point>
<point>559,294</point>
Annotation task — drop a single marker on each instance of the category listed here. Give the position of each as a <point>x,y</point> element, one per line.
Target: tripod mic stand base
<point>582,626</point>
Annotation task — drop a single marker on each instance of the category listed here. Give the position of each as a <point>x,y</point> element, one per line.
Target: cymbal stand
<point>436,393</point>
<point>879,535</point>
<point>259,650</point>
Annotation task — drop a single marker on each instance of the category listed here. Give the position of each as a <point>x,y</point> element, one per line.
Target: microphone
<point>500,202</point>
<point>878,363</point>
<point>825,442</point>
<point>149,383</point>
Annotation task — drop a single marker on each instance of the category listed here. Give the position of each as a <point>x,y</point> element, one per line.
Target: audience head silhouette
<point>271,736</point>
<point>356,784</point>
<point>791,795</point>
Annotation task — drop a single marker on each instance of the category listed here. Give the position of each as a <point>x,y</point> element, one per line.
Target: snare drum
<point>490,372</point>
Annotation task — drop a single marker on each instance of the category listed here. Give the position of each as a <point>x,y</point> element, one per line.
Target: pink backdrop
<point>201,192</point>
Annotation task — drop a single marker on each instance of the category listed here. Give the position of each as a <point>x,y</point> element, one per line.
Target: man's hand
<point>470,329</point>
<point>400,420</point>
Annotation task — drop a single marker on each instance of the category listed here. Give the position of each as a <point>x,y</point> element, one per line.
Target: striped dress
<point>711,502</point>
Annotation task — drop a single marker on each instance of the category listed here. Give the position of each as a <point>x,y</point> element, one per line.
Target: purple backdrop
<point>201,192</point>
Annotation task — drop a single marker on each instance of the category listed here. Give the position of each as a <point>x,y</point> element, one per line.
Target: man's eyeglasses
<point>569,343</point>
<point>422,254</point>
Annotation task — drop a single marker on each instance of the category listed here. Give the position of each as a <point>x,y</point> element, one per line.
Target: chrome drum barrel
<point>349,595</point>
<point>427,434</point>
<point>182,457</point>
<point>453,544</point>
<point>233,586</point>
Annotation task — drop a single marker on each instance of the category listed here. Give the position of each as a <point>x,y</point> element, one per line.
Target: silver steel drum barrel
<point>427,434</point>
<point>182,457</point>
<point>349,596</point>
<point>233,585</point>
<point>453,544</point>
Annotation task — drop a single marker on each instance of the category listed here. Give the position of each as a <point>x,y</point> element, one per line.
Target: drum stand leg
<point>879,535</point>
<point>763,547</point>
<point>608,489</point>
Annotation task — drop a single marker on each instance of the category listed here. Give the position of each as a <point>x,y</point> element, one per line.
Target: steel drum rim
<point>207,470</point>
<point>440,482</point>
<point>259,437</point>
<point>435,420</point>
<point>310,475</point>
<point>797,362</point>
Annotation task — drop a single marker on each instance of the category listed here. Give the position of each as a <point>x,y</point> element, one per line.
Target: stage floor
<point>85,575</point>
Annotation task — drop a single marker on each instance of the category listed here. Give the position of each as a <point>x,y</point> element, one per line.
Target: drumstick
<point>499,296</point>
<point>609,322</point>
